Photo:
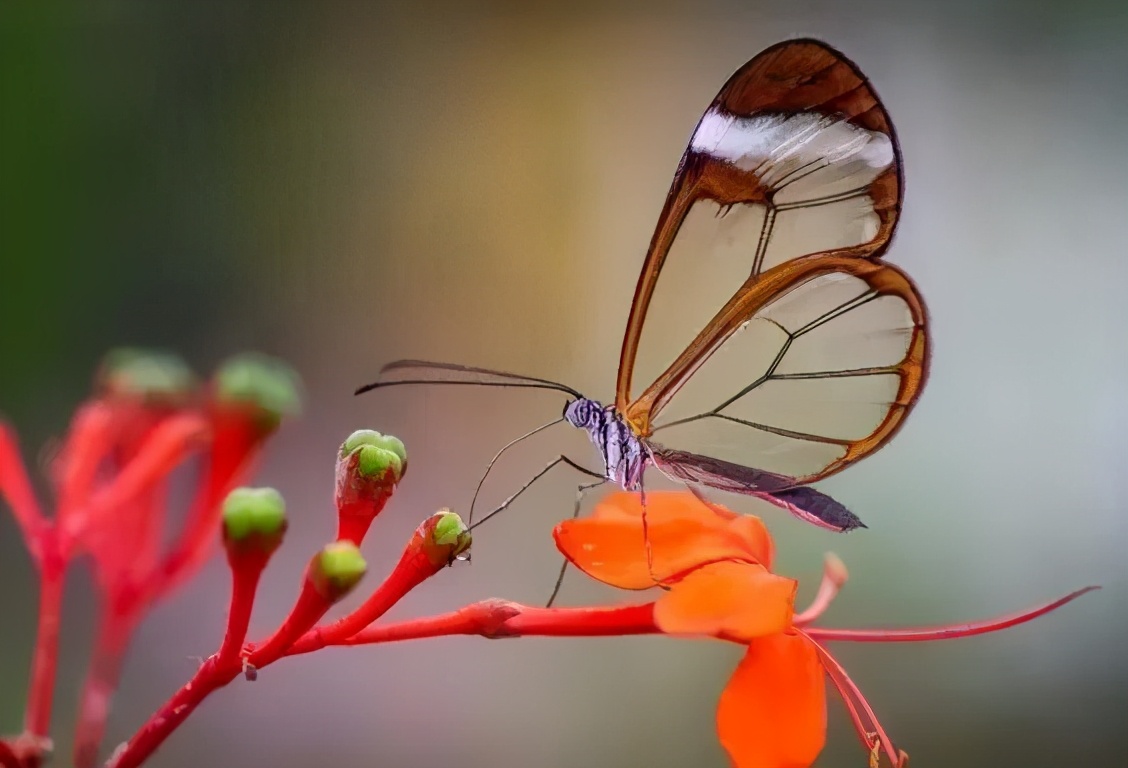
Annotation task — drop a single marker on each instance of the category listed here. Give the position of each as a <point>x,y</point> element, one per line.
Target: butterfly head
<point>583,413</point>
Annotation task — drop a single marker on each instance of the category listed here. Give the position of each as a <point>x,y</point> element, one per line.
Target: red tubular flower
<point>247,400</point>
<point>145,419</point>
<point>715,567</point>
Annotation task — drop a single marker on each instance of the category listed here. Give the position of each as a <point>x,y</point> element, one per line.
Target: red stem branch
<point>501,618</point>
<point>41,689</point>
<point>101,682</point>
<point>15,486</point>
<point>173,713</point>
<point>307,611</point>
<point>216,672</point>
<point>165,447</point>
<point>233,452</point>
<point>244,585</point>
<point>87,444</point>
<point>412,570</point>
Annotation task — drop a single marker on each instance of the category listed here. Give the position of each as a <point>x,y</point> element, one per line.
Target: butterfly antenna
<point>429,372</point>
<point>490,466</point>
<point>508,384</point>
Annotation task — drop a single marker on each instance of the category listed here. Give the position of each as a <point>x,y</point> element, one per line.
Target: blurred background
<point>346,183</point>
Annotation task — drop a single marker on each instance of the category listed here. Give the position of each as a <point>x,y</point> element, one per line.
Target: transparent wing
<point>768,252</point>
<point>808,378</point>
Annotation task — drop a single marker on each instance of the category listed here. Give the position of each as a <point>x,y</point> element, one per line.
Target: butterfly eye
<point>573,413</point>
<point>580,413</point>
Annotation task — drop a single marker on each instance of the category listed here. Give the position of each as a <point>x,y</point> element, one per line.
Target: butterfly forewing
<point>770,329</point>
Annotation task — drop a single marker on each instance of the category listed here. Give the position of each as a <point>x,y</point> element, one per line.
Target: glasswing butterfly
<point>813,349</point>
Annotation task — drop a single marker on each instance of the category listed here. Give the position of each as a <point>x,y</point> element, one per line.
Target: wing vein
<point>784,432</point>
<point>814,202</point>
<point>765,237</point>
<point>841,309</point>
<point>875,371</point>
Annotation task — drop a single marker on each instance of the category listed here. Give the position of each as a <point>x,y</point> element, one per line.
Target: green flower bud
<point>447,537</point>
<point>336,569</point>
<point>253,518</point>
<point>376,453</point>
<point>157,377</point>
<point>264,383</point>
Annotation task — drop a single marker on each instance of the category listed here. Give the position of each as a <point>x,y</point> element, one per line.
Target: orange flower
<point>714,563</point>
<point>714,566</point>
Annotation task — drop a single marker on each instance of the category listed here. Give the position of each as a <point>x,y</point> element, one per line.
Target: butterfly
<point>812,348</point>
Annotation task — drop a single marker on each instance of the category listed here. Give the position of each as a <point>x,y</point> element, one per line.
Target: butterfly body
<point>625,456</point>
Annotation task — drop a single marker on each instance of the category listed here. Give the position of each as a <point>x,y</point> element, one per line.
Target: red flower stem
<point>353,527</point>
<point>244,585</point>
<point>87,443</point>
<point>15,486</point>
<point>209,677</point>
<point>307,611</point>
<point>165,447</point>
<point>941,633</point>
<point>233,453</point>
<point>356,510</point>
<point>501,618</point>
<point>114,632</point>
<point>8,757</point>
<point>412,570</point>
<point>41,690</point>
<point>145,532</point>
<point>216,672</point>
<point>584,622</point>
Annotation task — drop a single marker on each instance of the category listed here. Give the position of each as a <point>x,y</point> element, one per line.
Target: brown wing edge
<point>803,74</point>
<point>884,278</point>
<point>913,372</point>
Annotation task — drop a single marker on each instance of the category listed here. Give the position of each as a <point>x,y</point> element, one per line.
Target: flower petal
<point>682,533</point>
<point>729,600</point>
<point>772,713</point>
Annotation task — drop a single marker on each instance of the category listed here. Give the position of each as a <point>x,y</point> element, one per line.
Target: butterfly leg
<point>562,459</point>
<point>646,537</point>
<point>493,461</point>
<point>580,491</point>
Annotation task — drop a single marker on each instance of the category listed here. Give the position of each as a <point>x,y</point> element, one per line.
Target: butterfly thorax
<point>624,455</point>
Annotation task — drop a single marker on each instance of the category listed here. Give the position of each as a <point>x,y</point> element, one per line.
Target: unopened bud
<point>155,377</point>
<point>265,385</point>
<point>369,467</point>
<point>376,454</point>
<point>445,538</point>
<point>336,569</point>
<point>254,519</point>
